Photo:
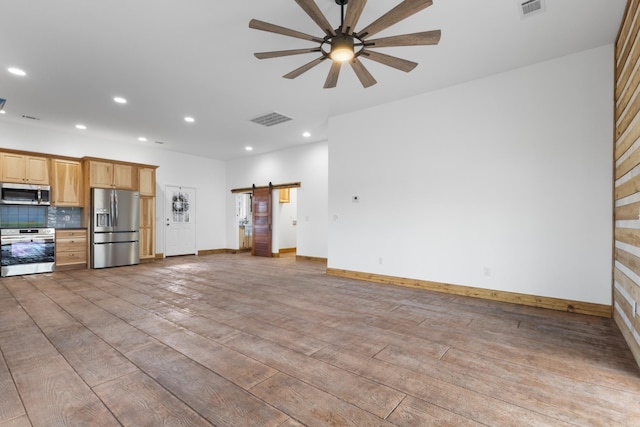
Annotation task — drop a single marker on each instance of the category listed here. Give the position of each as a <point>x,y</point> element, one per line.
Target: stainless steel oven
<point>27,250</point>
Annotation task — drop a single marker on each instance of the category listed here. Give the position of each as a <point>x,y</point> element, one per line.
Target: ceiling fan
<point>344,44</point>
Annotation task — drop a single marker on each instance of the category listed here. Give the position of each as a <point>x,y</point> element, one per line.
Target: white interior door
<point>180,221</point>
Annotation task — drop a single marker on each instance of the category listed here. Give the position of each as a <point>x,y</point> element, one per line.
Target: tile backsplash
<point>16,216</point>
<point>23,216</point>
<point>64,217</point>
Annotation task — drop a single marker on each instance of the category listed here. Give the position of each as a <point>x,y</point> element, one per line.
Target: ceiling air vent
<point>24,116</point>
<point>271,119</point>
<point>531,7</point>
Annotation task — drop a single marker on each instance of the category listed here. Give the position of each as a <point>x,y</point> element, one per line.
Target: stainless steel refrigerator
<point>115,228</point>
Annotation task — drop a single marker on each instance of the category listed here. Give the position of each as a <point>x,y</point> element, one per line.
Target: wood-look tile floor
<point>234,340</point>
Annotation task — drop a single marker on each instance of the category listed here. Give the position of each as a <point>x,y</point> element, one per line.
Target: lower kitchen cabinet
<point>71,249</point>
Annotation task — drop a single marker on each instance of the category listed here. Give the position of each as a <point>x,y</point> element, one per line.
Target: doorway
<point>244,219</point>
<point>180,221</point>
<point>286,216</point>
<point>270,217</point>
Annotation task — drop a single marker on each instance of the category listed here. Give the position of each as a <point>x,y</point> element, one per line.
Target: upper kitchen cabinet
<point>147,179</point>
<point>66,182</point>
<point>24,168</point>
<point>103,174</point>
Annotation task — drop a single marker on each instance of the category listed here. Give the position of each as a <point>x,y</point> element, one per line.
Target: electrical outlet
<point>379,260</point>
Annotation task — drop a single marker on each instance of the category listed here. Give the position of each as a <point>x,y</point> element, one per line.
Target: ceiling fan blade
<point>306,67</point>
<point>272,28</point>
<point>415,39</point>
<point>395,15</point>
<point>363,74</point>
<point>278,53</point>
<point>332,78</point>
<point>354,10</point>
<point>391,61</point>
<point>314,12</point>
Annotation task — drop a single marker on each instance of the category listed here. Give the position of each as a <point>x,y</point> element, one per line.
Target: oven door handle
<point>20,239</point>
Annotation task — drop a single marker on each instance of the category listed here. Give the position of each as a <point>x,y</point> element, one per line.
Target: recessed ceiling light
<point>120,100</point>
<point>81,127</point>
<point>16,71</point>
<point>248,148</point>
<point>189,119</point>
<point>142,139</point>
<point>306,134</point>
<point>3,112</point>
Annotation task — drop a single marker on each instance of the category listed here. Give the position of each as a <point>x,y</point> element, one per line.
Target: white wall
<point>205,175</point>
<point>501,183</point>
<point>306,164</point>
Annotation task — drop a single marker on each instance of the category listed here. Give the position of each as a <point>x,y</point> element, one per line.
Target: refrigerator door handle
<point>115,198</point>
<point>112,209</point>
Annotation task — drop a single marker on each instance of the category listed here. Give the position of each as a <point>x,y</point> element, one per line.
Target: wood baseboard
<point>311,258</point>
<point>217,251</point>
<point>558,304</point>
<point>159,255</point>
<point>286,250</point>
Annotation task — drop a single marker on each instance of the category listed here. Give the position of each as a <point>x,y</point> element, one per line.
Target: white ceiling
<point>173,58</point>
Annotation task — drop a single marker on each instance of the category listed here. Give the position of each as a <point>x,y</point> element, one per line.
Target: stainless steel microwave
<point>25,194</point>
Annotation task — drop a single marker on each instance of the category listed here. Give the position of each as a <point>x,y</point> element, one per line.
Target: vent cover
<point>531,7</point>
<point>271,119</point>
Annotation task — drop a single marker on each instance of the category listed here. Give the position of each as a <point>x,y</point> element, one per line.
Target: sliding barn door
<point>261,243</point>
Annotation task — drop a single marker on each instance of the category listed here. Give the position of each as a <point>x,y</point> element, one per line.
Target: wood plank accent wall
<point>626,268</point>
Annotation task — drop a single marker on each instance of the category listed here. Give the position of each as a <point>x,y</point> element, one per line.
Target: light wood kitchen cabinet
<point>24,169</point>
<point>112,175</point>
<point>147,227</point>
<point>71,249</point>
<point>147,181</point>
<point>66,182</point>
<point>147,189</point>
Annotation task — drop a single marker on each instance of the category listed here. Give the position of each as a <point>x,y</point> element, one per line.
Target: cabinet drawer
<point>71,245</point>
<point>65,234</point>
<point>69,258</point>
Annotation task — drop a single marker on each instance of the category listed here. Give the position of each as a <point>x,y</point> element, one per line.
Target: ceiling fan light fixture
<point>342,48</point>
